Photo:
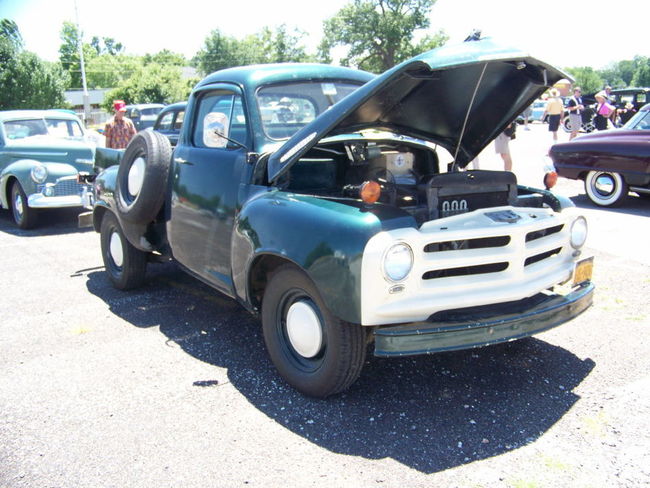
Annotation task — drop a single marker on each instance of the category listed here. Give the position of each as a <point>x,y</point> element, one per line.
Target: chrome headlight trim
<point>579,231</point>
<point>397,262</point>
<point>39,173</point>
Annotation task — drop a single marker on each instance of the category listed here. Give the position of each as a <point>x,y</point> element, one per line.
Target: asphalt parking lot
<point>171,386</point>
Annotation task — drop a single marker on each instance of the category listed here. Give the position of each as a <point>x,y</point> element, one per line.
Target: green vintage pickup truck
<point>316,196</point>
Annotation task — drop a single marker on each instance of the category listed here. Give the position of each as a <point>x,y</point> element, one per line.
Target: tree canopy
<point>27,82</point>
<point>378,34</point>
<point>267,46</point>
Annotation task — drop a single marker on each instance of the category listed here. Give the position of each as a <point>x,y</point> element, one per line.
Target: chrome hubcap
<point>604,184</point>
<point>18,206</point>
<point>136,177</point>
<point>304,329</point>
<point>115,248</point>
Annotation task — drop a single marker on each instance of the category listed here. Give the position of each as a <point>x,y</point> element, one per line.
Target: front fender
<point>324,237</point>
<point>21,171</point>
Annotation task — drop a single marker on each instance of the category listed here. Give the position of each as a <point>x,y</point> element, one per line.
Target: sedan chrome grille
<point>65,187</point>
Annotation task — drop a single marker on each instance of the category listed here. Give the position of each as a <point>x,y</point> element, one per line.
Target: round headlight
<point>39,173</point>
<point>398,262</point>
<point>578,232</point>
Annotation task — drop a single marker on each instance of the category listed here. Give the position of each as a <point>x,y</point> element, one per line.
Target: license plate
<point>583,270</point>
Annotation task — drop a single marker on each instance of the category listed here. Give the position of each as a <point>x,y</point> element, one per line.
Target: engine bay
<point>409,175</point>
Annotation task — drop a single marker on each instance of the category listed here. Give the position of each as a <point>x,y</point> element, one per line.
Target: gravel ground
<point>170,385</point>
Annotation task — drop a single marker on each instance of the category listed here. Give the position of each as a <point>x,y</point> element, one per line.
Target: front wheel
<point>23,214</point>
<point>605,188</point>
<point>126,266</point>
<point>313,351</point>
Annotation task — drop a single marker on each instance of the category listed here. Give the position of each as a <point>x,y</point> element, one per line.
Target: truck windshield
<point>286,108</point>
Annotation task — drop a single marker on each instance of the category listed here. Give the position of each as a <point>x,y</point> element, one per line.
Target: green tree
<point>641,75</point>
<point>106,45</point>
<point>10,33</point>
<point>281,46</point>
<point>586,78</point>
<point>151,83</point>
<point>26,81</point>
<point>220,51</point>
<point>69,53</point>
<point>107,71</point>
<point>378,33</point>
<point>165,57</point>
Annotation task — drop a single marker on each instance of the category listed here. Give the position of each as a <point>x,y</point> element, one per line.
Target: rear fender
<point>104,189</point>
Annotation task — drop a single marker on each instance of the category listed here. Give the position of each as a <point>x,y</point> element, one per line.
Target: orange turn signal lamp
<point>370,192</point>
<point>550,179</point>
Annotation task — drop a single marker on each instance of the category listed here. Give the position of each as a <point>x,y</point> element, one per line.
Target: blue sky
<point>565,37</point>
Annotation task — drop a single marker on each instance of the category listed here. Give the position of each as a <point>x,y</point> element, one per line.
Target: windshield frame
<point>280,115</point>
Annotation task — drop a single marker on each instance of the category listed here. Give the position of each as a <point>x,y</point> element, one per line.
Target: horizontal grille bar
<point>538,234</point>
<point>479,243</point>
<point>465,271</point>
<point>540,257</point>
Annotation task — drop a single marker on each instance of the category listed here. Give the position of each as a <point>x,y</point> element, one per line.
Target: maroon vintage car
<point>611,163</point>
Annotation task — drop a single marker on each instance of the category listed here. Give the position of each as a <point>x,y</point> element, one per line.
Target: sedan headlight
<point>39,173</point>
<point>578,232</point>
<point>398,262</point>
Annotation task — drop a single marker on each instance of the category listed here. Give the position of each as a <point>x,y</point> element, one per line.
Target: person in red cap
<point>119,130</point>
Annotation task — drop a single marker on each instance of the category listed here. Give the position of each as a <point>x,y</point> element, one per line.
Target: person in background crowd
<point>611,99</point>
<point>119,130</point>
<point>526,114</point>
<point>575,108</point>
<point>626,113</point>
<point>554,109</point>
<point>603,111</point>
<point>502,146</point>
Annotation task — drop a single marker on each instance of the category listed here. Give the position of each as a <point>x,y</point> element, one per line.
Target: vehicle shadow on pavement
<point>430,413</point>
<point>52,222</point>
<point>632,205</point>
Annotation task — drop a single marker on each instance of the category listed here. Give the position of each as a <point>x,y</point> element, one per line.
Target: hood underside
<point>460,97</point>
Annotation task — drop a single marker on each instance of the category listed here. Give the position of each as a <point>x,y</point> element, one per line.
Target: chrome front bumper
<point>482,326</point>
<point>66,192</point>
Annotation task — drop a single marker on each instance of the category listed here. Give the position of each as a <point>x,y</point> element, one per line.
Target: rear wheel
<point>24,216</point>
<point>605,188</point>
<point>313,351</point>
<point>126,266</point>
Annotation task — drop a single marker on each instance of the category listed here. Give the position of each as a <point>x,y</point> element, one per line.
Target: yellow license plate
<point>583,270</point>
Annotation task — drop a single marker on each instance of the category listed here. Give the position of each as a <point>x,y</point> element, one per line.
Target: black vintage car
<point>170,121</point>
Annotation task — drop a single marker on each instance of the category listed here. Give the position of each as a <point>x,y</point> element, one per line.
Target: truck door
<point>206,174</point>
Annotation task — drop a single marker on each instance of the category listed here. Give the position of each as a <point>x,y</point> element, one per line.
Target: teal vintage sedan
<point>41,154</point>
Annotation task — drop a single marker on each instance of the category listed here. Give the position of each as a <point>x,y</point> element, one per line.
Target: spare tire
<point>142,177</point>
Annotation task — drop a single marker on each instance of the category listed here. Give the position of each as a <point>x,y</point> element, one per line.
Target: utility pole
<point>86,96</point>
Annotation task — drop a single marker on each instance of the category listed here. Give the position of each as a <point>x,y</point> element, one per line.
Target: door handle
<point>182,161</point>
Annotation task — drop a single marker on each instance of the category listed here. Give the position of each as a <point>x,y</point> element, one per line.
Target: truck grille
<point>491,254</point>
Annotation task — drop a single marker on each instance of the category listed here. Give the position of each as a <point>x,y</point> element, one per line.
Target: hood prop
<point>454,166</point>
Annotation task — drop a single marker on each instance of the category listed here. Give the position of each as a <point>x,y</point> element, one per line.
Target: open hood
<point>458,96</point>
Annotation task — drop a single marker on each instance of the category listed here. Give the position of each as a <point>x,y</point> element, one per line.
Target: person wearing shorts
<point>502,148</point>
<point>575,109</point>
<point>554,109</point>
